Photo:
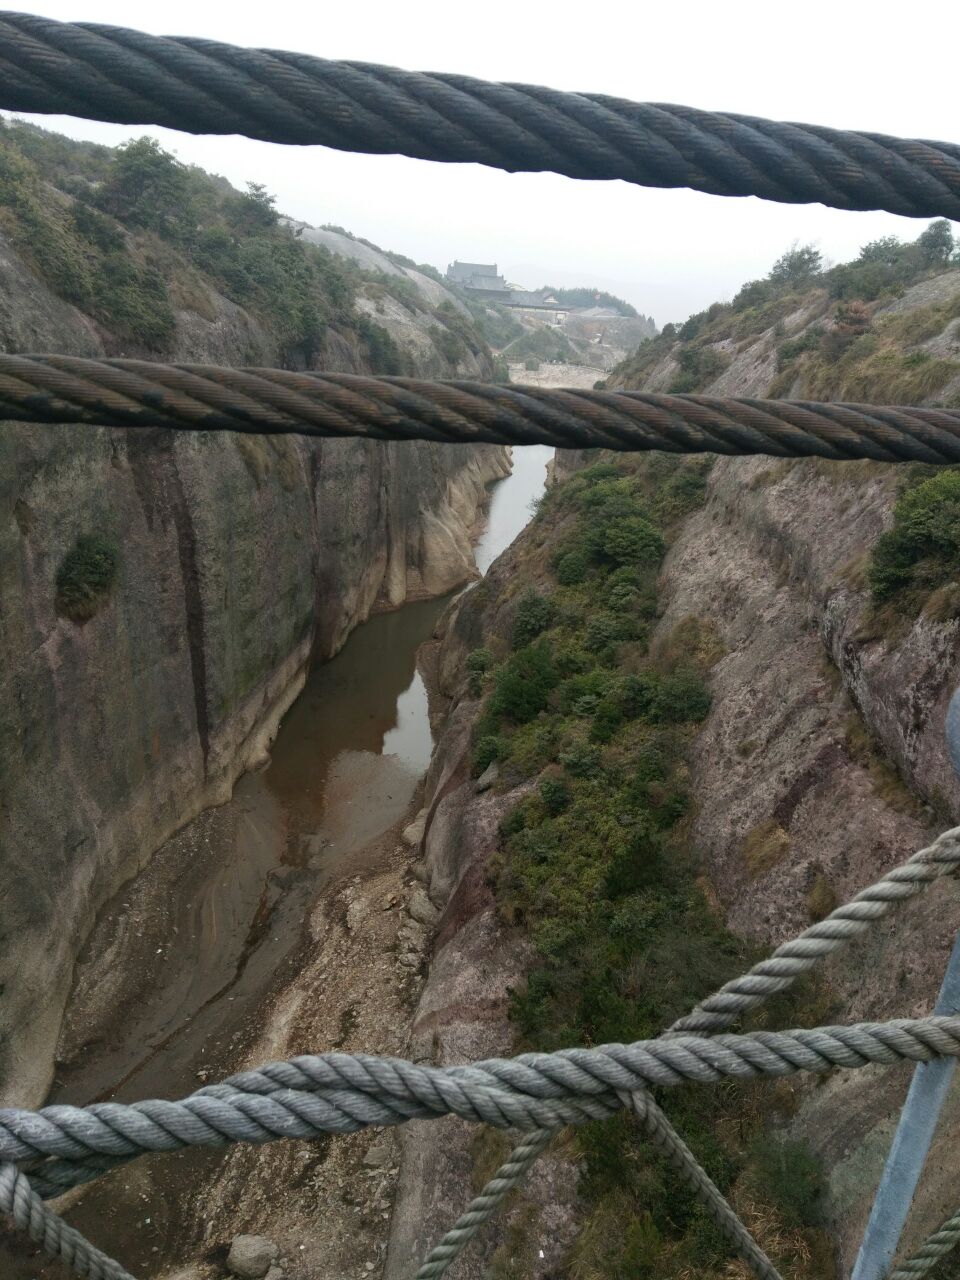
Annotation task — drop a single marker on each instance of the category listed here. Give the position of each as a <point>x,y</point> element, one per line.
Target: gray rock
<point>422,909</point>
<point>355,915</point>
<point>251,1257</point>
<point>489,776</point>
<point>413,834</point>
<point>379,1153</point>
<point>274,1274</point>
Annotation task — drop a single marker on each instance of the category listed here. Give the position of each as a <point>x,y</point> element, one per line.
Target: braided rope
<point>202,86</point>
<point>936,1246</point>
<point>774,974</point>
<point>137,393</point>
<point>787,963</point>
<point>481,1209</point>
<point>338,1093</point>
<point>343,1093</point>
<point>666,1139</point>
<point>30,1214</point>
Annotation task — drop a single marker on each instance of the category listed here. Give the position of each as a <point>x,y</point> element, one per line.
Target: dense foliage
<point>86,576</point>
<point>843,353</point>
<point>920,555</point>
<point>130,234</point>
<point>596,866</point>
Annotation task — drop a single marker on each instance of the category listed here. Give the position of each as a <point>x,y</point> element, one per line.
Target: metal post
<point>908,1152</point>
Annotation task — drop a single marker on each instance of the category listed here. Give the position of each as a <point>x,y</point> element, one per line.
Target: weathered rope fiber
<point>481,1209</point>
<point>30,1214</point>
<point>774,974</point>
<point>787,963</point>
<point>343,1093</point>
<point>936,1246</point>
<point>203,86</point>
<point>666,1139</point>
<point>138,393</point>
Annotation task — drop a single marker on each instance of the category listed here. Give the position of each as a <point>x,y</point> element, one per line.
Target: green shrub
<point>922,550</point>
<point>633,541</point>
<point>679,697</point>
<point>487,749</point>
<point>86,576</point>
<point>479,662</point>
<point>581,760</point>
<point>555,795</point>
<point>607,719</point>
<point>133,301</point>
<point>523,684</point>
<point>636,865</point>
<point>572,568</point>
<point>533,616</point>
<point>787,1171</point>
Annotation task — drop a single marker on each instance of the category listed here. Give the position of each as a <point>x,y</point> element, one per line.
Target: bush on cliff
<point>86,576</point>
<point>596,866</point>
<point>921,553</point>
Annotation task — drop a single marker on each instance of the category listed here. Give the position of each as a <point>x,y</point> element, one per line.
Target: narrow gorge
<point>454,751</point>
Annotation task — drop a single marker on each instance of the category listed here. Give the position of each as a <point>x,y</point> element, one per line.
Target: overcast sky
<point>847,63</point>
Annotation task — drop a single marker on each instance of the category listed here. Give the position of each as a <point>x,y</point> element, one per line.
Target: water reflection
<point>354,746</point>
<point>512,500</point>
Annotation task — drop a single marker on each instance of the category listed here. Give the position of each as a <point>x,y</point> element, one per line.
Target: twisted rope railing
<point>936,1246</point>
<point>343,1093</point>
<point>486,1205</point>
<point>137,393</point>
<point>48,1229</point>
<point>772,975</point>
<point>64,1146</point>
<point>203,86</point>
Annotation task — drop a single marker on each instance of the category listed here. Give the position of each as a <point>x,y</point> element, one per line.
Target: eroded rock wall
<point>239,558</point>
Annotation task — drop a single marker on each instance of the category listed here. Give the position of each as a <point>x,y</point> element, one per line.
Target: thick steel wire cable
<point>137,393</point>
<point>203,86</point>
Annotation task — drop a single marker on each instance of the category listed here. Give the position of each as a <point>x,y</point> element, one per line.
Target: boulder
<point>413,834</point>
<point>251,1257</point>
<point>422,909</point>
<point>489,776</point>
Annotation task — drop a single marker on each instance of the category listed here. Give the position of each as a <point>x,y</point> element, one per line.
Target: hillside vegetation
<point>133,238</point>
<point>882,328</point>
<point>596,866</point>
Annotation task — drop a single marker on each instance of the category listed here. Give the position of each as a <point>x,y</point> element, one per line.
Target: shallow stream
<point>201,934</point>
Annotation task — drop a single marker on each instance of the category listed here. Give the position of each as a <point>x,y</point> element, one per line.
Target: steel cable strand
<point>136,393</point>
<point>42,1225</point>
<point>204,86</point>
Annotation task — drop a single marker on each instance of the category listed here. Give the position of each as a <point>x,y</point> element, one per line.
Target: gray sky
<point>847,63</point>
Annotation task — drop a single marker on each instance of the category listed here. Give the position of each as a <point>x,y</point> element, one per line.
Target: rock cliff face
<point>238,559</point>
<point>826,729</point>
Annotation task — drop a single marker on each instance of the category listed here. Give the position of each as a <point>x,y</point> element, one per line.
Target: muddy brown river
<point>188,949</point>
